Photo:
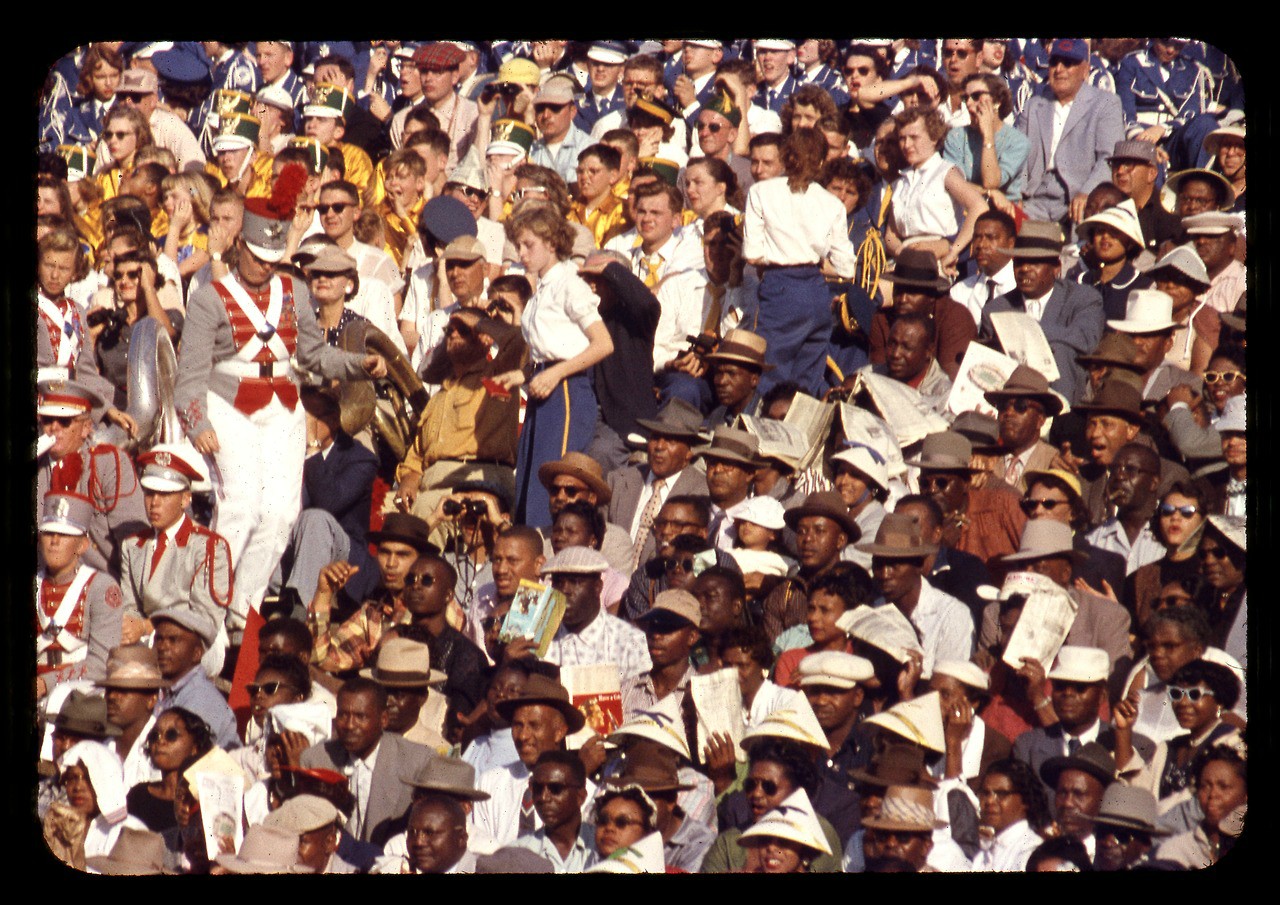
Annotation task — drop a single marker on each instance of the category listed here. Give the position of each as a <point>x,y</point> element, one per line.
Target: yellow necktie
<point>652,263</point>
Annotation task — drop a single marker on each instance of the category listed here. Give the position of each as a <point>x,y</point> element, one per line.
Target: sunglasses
<point>1185,511</point>
<point>671,562</point>
<point>1212,377</point>
<point>530,190</point>
<point>957,52</point>
<point>713,128</point>
<point>1121,835</point>
<point>60,420</point>
<point>1021,405</point>
<point>501,308</point>
<point>857,70</point>
<point>169,735</point>
<point>337,207</point>
<point>459,264</point>
<point>1170,600</point>
<point>473,193</point>
<point>1177,693</point>
<point>1212,553</point>
<point>129,274</point>
<point>555,788</point>
<point>424,579</point>
<point>567,489</point>
<point>116,134</point>
<point>621,822</point>
<point>1030,506</point>
<point>937,482</point>
<point>548,108</point>
<point>768,786</point>
<point>265,687</point>
<point>664,523</point>
<point>976,95</point>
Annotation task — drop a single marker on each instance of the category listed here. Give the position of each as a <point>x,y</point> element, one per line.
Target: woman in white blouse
<point>930,191</point>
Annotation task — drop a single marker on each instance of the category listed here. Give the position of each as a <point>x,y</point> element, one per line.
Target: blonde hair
<point>197,189</point>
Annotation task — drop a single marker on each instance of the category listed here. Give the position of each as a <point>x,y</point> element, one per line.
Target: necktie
<point>646,522</point>
<point>1073,745</point>
<point>1013,472</point>
<point>526,812</point>
<point>651,264</point>
<point>772,98</point>
<point>711,324</point>
<point>162,541</point>
<point>991,289</point>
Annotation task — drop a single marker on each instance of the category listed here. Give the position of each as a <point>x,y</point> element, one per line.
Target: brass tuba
<point>153,370</point>
<point>397,422</point>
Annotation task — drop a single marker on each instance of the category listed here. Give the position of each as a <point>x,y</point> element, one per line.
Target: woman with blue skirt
<point>794,230</point>
<point>566,337</point>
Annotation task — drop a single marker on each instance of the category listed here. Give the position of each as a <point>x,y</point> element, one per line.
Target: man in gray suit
<point>1073,129</point>
<point>1070,314</point>
<point>638,491</point>
<point>373,760</point>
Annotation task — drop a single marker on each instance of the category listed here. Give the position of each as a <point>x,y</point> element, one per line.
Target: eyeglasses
<point>1001,794</point>
<point>1212,377</point>
<point>621,822</point>
<point>60,420</point>
<point>172,734</point>
<point>1030,505</point>
<point>337,207</point>
<point>976,95</point>
<point>555,788</point>
<point>548,108</point>
<point>1212,553</point>
<point>424,579</point>
<point>128,274</point>
<point>1177,693</point>
<point>266,688</point>
<point>1021,405</point>
<point>957,52</point>
<point>713,128</point>
<point>567,489</point>
<point>671,562</point>
<point>1061,61</point>
<point>457,264</point>
<point>936,482</point>
<point>473,192</point>
<point>1121,835</point>
<point>1185,511</point>
<point>118,134</point>
<point>857,70</point>
<point>663,523</point>
<point>768,786</point>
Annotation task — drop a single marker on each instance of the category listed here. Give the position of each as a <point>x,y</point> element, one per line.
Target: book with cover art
<point>536,611</point>
<point>596,690</point>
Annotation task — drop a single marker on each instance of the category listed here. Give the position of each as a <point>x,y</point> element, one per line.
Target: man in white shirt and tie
<point>993,234</point>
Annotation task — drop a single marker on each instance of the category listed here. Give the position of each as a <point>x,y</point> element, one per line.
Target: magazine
<point>536,611</point>
<point>596,690</point>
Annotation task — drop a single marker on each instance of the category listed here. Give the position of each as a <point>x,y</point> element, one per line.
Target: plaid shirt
<point>348,645</point>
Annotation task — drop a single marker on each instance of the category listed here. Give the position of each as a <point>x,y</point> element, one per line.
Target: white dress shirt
<point>556,319</point>
<point>1111,535</point>
<point>1060,113</point>
<point>944,624</point>
<point>972,291</point>
<point>361,781</point>
<point>782,227</point>
<point>646,494</point>
<point>1009,850</point>
<point>681,298</point>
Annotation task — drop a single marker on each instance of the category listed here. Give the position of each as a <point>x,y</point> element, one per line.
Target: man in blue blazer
<point>1070,314</point>
<point>1068,162</point>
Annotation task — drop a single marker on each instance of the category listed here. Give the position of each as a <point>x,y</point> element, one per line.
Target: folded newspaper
<point>536,611</point>
<point>596,690</point>
<point>1023,340</point>
<point>861,426</point>
<point>778,439</point>
<point>982,370</point>
<point>814,418</point>
<point>901,406</point>
<point>884,627</point>
<point>717,698</point>
<point>219,784</point>
<point>1046,618</point>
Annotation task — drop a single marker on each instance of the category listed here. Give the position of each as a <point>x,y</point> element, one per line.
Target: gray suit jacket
<point>1041,455</point>
<point>1036,746</point>
<point>1072,323</point>
<point>1094,125</point>
<point>389,796</point>
<point>627,483</point>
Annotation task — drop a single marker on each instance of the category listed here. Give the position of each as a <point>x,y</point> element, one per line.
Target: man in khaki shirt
<point>466,432</point>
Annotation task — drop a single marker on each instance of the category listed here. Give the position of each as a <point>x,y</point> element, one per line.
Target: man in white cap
<point>587,634</point>
<point>832,681</point>
<point>1214,235</point>
<point>605,60</point>
<point>774,59</point>
<point>696,84</point>
<point>559,140</point>
<point>175,560</point>
<point>183,632</point>
<point>77,607</point>
<point>273,108</point>
<point>68,464</point>
<point>317,824</point>
<point>971,744</point>
<point>237,395</point>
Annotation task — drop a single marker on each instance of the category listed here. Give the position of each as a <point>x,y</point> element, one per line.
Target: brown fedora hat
<point>1038,240</point>
<point>651,774</point>
<point>916,268</point>
<point>898,537</point>
<point>133,666</point>
<point>896,765</point>
<point>1027,383</point>
<point>581,466</point>
<point>828,504</point>
<point>732,445</point>
<point>946,451</point>
<point>404,528</point>
<point>449,775</point>
<point>742,347</point>
<point>1116,397</point>
<point>540,689</point>
<point>677,419</point>
<point>1115,349</point>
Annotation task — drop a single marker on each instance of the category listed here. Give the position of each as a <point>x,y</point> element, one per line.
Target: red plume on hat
<point>284,194</point>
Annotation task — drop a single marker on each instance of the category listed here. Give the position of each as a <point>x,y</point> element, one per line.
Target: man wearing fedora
<point>897,566</point>
<point>1047,549</point>
<point>951,571</point>
<point>588,634</point>
<point>732,458</point>
<point>373,759</point>
<point>1023,403</point>
<point>441,778</point>
<point>920,288</point>
<point>1125,828</point>
<point>637,492</point>
<point>736,367</point>
<point>1078,781</point>
<point>823,528</point>
<point>348,645</point>
<point>1069,314</point>
<point>984,521</point>
<point>177,559</point>
<point>577,476</point>
<point>541,717</point>
<point>81,717</point>
<point>132,690</point>
<point>902,831</point>
<point>403,667</point>
<point>77,608</point>
<point>237,394</point>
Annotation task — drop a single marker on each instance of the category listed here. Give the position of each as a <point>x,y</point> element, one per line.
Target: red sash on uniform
<point>255,392</point>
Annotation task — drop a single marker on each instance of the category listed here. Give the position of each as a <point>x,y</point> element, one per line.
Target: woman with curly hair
<point>1222,790</point>
<point>177,735</point>
<point>1012,811</point>
<point>623,816</point>
<point>99,77</point>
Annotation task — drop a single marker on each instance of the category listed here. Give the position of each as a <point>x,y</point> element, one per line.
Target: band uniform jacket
<point>195,566</point>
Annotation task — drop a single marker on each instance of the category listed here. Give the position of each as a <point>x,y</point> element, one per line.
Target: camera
<point>702,344</point>
<point>473,508</point>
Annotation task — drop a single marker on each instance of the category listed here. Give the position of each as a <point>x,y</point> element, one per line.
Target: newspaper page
<point>901,407</point>
<point>1023,340</point>
<point>1046,618</point>
<point>981,371</point>
<point>219,785</point>
<point>883,626</point>
<point>861,426</point>
<point>717,698</point>
<point>777,438</point>
<point>596,690</point>
<point>814,418</point>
